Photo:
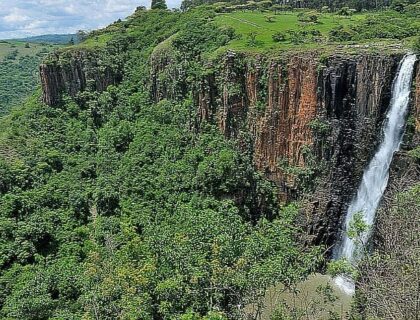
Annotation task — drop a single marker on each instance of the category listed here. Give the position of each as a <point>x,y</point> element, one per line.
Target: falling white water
<point>375,177</point>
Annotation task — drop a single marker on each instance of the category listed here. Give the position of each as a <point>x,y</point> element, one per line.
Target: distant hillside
<point>50,38</point>
<point>19,63</point>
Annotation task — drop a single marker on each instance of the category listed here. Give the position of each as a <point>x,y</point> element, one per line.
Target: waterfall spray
<point>375,177</point>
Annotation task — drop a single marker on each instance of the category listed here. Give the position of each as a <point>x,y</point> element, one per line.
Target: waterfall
<point>375,177</point>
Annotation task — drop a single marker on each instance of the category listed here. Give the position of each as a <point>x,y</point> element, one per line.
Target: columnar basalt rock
<point>269,105</point>
<point>284,128</point>
<point>71,72</point>
<point>275,101</point>
<point>354,97</point>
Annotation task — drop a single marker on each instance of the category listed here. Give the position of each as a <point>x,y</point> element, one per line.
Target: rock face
<point>311,122</point>
<point>301,111</point>
<point>355,95</point>
<point>71,72</point>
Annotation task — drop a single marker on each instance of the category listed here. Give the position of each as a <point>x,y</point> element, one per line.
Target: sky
<point>22,18</point>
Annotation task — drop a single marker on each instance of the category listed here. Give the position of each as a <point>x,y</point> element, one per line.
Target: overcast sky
<point>21,18</point>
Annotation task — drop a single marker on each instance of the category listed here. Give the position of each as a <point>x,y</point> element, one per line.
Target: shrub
<point>340,34</point>
<point>269,19</point>
<point>387,27</point>
<point>276,8</point>
<point>252,39</point>
<point>296,37</point>
<point>399,5</point>
<point>279,37</point>
<point>325,9</point>
<point>413,10</point>
<point>302,36</point>
<point>308,17</point>
<point>12,55</point>
<point>264,4</point>
<point>344,11</point>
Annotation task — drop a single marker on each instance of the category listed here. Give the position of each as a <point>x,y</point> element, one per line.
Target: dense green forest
<point>115,206</point>
<point>19,77</point>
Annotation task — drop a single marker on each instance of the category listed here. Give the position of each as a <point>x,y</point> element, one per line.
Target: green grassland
<point>265,25</point>
<point>8,46</point>
<point>373,30</point>
<point>19,71</point>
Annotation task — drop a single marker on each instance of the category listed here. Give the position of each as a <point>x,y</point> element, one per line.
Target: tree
<point>159,4</point>
<point>81,35</point>
<point>252,39</point>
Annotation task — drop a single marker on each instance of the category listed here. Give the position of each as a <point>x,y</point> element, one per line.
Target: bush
<point>264,4</point>
<point>296,37</point>
<point>12,55</point>
<point>325,9</point>
<point>386,26</point>
<point>413,10</point>
<point>303,36</point>
<point>252,39</point>
<point>340,34</point>
<point>399,5</point>
<point>344,11</point>
<point>279,37</point>
<point>308,17</point>
<point>270,19</point>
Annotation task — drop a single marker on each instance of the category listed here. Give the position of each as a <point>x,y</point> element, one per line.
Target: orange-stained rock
<point>284,128</point>
<point>273,101</point>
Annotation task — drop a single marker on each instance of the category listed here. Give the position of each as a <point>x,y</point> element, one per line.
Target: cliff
<point>311,122</point>
<point>74,71</point>
<point>416,106</point>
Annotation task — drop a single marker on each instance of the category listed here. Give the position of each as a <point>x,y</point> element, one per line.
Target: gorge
<point>188,165</point>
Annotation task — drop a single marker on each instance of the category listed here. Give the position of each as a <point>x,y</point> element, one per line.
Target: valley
<point>204,164</point>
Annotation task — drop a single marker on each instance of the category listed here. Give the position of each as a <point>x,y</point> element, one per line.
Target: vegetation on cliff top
<point>263,29</point>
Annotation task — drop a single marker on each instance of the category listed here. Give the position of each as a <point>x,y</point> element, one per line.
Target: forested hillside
<point>139,182</point>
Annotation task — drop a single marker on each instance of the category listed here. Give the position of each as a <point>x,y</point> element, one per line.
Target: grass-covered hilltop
<point>173,163</point>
